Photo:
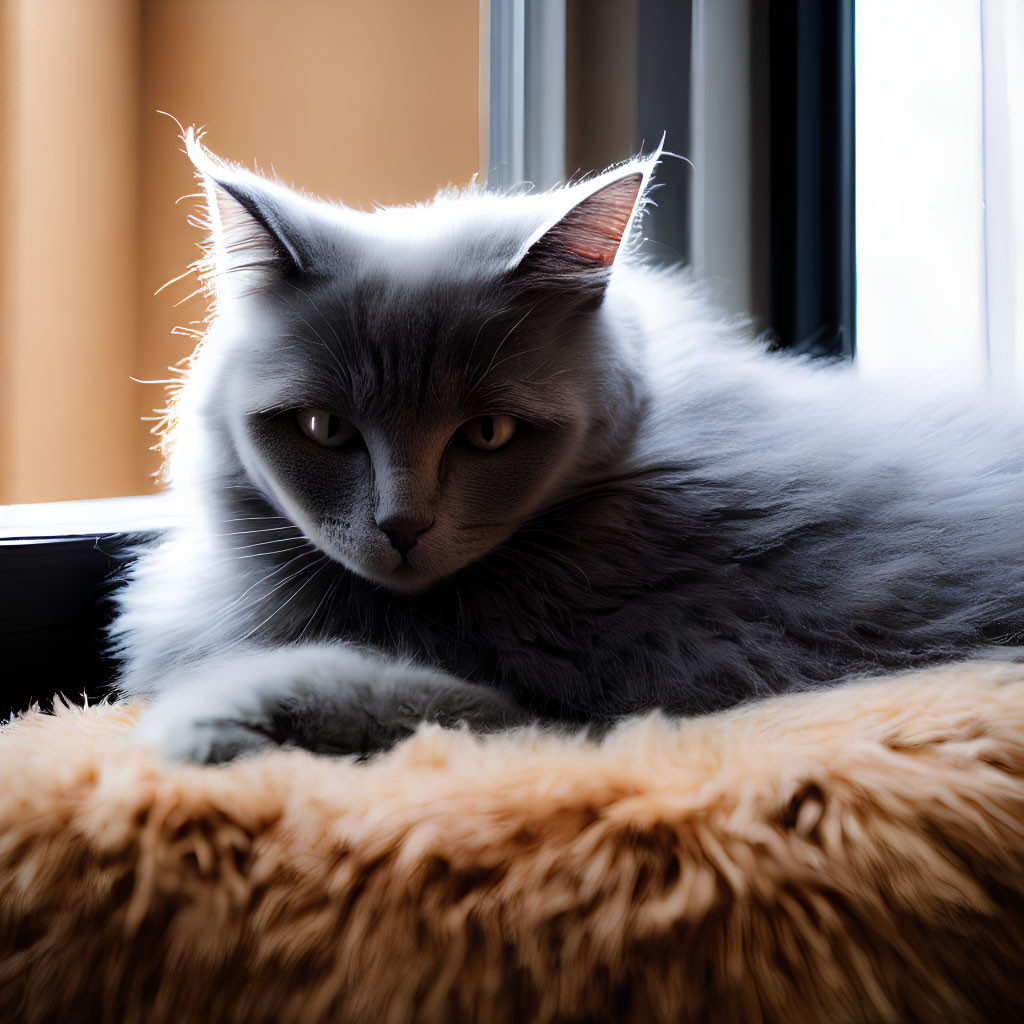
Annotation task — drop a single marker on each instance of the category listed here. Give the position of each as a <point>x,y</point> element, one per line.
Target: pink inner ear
<point>594,229</point>
<point>241,232</point>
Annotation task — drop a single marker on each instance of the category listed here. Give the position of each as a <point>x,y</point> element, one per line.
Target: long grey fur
<point>694,521</point>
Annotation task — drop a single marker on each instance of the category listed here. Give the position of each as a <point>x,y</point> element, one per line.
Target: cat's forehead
<point>432,274</point>
<point>437,324</point>
<point>419,301</point>
<point>396,361</point>
<point>399,343</point>
<point>456,236</point>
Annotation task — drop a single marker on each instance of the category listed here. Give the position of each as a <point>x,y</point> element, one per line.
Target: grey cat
<point>474,462</point>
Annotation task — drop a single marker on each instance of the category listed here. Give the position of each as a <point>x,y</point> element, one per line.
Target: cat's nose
<point>403,531</point>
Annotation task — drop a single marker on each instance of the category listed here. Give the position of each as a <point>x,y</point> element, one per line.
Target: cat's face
<point>410,387</point>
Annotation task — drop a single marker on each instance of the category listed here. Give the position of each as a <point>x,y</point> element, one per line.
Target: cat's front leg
<point>326,698</point>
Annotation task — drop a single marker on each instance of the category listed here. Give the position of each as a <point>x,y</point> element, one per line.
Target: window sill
<point>96,517</point>
<point>59,562</point>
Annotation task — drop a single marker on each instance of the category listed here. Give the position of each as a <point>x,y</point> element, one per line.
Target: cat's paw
<point>182,736</point>
<point>329,699</point>
<point>216,715</point>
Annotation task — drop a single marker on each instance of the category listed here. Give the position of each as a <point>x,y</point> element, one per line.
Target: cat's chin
<point>408,580</point>
<point>402,579</point>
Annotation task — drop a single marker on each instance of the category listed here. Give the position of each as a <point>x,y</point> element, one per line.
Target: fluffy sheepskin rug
<point>853,855</point>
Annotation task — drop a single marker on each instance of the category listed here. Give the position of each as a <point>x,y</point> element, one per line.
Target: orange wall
<point>358,101</point>
<point>67,262</point>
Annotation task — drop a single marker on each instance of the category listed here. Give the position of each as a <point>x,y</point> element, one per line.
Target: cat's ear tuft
<point>577,252</point>
<point>249,219</point>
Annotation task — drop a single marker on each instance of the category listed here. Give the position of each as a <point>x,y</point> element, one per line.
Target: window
<point>756,95</point>
<point>940,188</point>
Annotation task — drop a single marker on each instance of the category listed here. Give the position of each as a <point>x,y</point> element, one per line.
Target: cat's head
<point>409,386</point>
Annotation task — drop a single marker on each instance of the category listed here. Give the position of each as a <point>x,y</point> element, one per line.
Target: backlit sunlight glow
<point>920,188</point>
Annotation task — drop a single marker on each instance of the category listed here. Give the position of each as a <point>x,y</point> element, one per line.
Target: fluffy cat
<point>473,462</point>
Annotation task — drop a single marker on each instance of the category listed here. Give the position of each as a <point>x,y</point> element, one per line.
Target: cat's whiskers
<point>328,591</point>
<point>285,531</point>
<point>294,574</point>
<point>233,549</point>
<point>288,600</point>
<point>239,546</point>
<point>265,529</point>
<point>269,576</point>
<point>250,519</point>
<point>264,554</point>
<point>332,591</point>
<point>227,552</point>
<point>213,627</point>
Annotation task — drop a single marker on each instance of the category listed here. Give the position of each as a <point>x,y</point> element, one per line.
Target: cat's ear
<point>256,227</point>
<point>576,253</point>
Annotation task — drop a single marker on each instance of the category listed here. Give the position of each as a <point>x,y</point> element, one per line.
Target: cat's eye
<point>324,427</point>
<point>489,433</point>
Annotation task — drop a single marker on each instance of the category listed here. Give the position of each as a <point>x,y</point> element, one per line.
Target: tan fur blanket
<point>854,855</point>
